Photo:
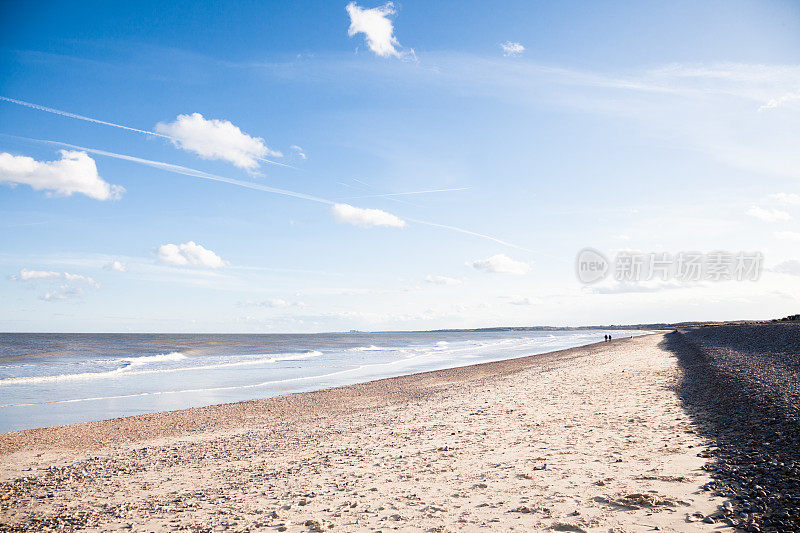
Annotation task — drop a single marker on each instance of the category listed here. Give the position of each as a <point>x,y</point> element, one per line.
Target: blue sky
<point>653,127</point>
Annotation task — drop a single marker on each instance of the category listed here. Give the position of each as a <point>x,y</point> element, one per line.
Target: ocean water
<point>54,379</point>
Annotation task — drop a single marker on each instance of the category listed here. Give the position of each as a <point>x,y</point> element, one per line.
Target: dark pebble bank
<point>742,385</point>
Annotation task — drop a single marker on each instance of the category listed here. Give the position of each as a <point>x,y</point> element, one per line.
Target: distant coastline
<point>655,326</point>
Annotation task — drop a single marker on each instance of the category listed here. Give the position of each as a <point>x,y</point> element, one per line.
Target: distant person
<point>605,337</point>
<point>609,337</point>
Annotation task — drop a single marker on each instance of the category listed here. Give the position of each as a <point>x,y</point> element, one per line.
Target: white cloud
<point>216,139</point>
<point>377,28</point>
<point>299,151</point>
<point>521,300</point>
<point>501,264</point>
<point>189,254</point>
<point>442,280</point>
<point>787,235</point>
<point>75,172</point>
<point>365,217</point>
<point>511,49</point>
<point>768,215</point>
<point>115,266</point>
<point>786,198</point>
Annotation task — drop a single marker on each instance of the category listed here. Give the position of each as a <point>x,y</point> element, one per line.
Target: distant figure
<point>609,337</point>
<point>605,337</point>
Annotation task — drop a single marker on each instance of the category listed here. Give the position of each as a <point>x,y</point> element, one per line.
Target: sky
<point>251,167</point>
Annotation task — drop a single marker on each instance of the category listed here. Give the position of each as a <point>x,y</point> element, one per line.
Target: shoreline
<point>141,426</point>
<point>154,374</point>
<point>584,439</point>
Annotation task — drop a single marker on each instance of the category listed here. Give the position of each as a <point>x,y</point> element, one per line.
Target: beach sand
<point>587,439</point>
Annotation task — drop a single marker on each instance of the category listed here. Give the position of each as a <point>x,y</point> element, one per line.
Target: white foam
<point>370,348</point>
<point>151,359</point>
<point>136,362</point>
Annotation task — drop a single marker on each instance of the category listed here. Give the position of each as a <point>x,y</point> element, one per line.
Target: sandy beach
<point>587,439</point>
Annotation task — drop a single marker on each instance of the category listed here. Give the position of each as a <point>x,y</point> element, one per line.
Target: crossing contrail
<point>186,171</point>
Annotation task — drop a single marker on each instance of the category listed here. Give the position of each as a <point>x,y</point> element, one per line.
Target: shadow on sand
<point>739,401</point>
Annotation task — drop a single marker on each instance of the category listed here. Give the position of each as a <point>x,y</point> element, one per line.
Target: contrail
<point>406,193</point>
<point>270,161</point>
<point>186,171</point>
<point>468,232</point>
<point>362,183</point>
<point>368,186</point>
<point>80,117</point>
<point>112,124</point>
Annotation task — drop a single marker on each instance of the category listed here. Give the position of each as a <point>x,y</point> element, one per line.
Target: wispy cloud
<point>75,172</point>
<point>378,30</point>
<point>142,268</point>
<point>63,285</point>
<point>622,287</point>
<point>299,151</point>
<point>785,198</point>
<point>787,235</point>
<point>775,103</point>
<point>708,108</point>
<point>189,254</point>
<point>501,264</point>
<point>273,303</point>
<point>365,217</point>
<point>791,267</point>
<point>216,139</point>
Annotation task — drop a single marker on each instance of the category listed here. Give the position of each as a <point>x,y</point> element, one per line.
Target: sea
<point>54,379</point>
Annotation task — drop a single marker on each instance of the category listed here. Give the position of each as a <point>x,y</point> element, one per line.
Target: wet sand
<point>588,439</point>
